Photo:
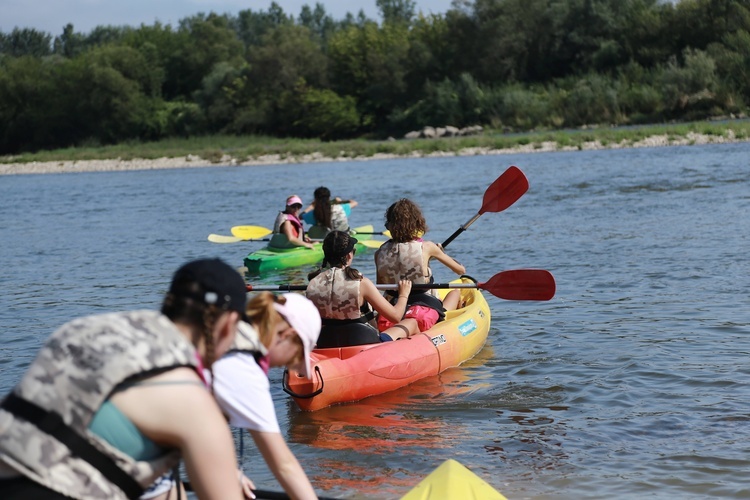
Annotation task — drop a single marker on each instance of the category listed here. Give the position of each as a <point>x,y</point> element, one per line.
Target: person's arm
<point>284,465</point>
<point>309,208</point>
<point>201,434</point>
<point>370,293</point>
<point>434,251</point>
<point>286,229</point>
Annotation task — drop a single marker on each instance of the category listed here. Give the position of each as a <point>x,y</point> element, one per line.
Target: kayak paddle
<point>220,238</point>
<point>354,232</point>
<point>501,194</point>
<point>241,233</point>
<point>250,232</point>
<point>260,494</point>
<point>520,284</point>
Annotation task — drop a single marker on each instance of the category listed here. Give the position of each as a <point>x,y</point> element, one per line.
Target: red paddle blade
<point>521,284</point>
<point>505,191</point>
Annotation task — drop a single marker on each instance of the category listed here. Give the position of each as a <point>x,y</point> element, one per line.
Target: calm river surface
<point>633,381</point>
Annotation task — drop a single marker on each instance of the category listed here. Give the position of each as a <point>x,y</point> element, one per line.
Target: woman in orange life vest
<point>287,228</point>
<point>340,292</point>
<point>406,256</point>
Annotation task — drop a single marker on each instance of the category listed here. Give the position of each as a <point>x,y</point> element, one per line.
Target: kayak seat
<point>279,240</point>
<point>318,232</point>
<point>335,334</point>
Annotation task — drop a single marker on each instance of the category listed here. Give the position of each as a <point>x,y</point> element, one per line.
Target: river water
<point>633,381</point>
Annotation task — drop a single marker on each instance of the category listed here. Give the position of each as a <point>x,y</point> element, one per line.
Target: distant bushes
<point>512,65</point>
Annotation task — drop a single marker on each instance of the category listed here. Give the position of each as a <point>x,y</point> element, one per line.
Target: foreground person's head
<point>208,297</point>
<point>288,325</point>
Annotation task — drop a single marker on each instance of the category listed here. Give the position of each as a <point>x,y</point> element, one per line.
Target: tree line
<point>508,64</point>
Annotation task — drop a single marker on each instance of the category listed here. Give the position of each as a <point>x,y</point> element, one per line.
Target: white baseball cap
<point>303,316</point>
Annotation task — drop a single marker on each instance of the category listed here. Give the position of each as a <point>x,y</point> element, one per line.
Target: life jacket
<point>44,421</point>
<point>283,217</point>
<point>279,239</point>
<point>335,295</point>
<point>397,261</point>
<point>247,340</point>
<point>345,323</point>
<point>401,261</point>
<point>339,221</point>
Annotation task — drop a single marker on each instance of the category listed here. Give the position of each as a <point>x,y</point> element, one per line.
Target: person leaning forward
<point>113,401</point>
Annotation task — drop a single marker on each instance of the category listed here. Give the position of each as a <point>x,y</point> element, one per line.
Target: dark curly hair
<point>405,221</point>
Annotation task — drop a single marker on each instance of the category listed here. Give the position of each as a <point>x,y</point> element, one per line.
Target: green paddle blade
<point>250,232</point>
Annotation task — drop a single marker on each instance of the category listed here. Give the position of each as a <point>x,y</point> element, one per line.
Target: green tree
<point>25,42</point>
<point>369,63</point>
<point>396,11</point>
<point>206,40</point>
<point>70,43</point>
<point>318,22</point>
<point>27,105</point>
<point>251,26</point>
<point>327,115</point>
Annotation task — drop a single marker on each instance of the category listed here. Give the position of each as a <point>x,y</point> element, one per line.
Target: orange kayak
<point>346,374</point>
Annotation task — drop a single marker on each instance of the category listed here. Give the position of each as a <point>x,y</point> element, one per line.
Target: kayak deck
<point>272,258</point>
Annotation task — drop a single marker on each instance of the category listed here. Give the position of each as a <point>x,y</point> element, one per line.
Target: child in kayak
<point>325,215</point>
<point>344,297</point>
<point>287,228</point>
<point>407,256</point>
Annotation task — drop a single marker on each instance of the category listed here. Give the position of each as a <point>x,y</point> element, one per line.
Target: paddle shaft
<point>261,494</point>
<point>520,284</point>
<point>461,230</point>
<point>501,194</point>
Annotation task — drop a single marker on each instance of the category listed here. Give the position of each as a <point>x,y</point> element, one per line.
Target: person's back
<point>325,215</point>
<point>406,255</point>
<point>343,298</point>
<point>105,397</point>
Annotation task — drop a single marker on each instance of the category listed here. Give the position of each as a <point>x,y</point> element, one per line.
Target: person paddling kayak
<point>344,298</point>
<point>288,231</point>
<point>407,256</point>
<point>325,215</point>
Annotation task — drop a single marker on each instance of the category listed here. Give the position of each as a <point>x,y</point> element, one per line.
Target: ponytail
<point>263,315</point>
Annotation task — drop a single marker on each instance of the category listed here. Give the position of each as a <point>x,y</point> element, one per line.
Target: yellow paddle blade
<point>250,232</point>
<point>453,480</point>
<point>220,238</point>
<point>371,243</point>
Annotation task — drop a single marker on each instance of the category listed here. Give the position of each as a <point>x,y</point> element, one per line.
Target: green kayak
<point>272,258</point>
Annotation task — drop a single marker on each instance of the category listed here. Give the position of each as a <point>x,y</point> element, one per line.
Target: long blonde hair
<point>261,313</point>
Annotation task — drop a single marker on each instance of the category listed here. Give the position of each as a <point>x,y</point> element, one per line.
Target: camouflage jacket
<point>44,421</point>
<point>397,261</point>
<point>335,296</point>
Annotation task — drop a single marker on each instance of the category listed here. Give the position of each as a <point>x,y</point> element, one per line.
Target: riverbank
<point>421,149</point>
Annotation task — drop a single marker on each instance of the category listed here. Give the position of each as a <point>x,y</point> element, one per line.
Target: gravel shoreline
<point>191,161</point>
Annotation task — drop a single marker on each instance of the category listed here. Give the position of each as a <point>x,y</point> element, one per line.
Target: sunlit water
<point>633,381</point>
